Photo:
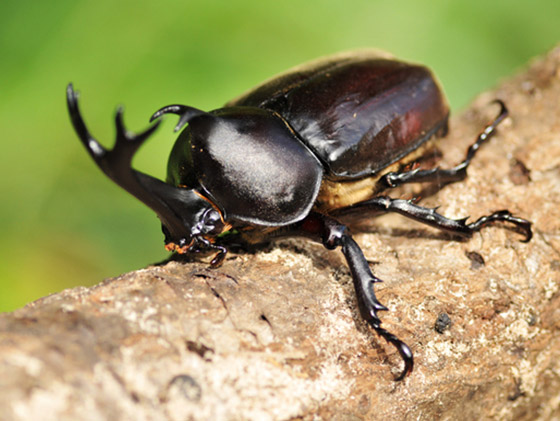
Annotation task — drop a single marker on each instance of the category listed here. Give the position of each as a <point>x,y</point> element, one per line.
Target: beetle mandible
<point>296,156</point>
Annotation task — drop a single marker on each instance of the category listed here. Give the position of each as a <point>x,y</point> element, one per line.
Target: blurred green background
<point>63,223</point>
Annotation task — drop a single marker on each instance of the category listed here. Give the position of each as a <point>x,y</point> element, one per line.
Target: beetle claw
<point>218,259</point>
<point>520,224</point>
<point>402,348</point>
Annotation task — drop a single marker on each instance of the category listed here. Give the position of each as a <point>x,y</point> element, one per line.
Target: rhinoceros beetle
<point>294,157</point>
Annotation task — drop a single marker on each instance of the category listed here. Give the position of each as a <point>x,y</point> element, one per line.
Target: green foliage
<point>63,223</point>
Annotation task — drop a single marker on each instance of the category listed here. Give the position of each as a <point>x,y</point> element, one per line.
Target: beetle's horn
<point>167,201</point>
<point>185,112</point>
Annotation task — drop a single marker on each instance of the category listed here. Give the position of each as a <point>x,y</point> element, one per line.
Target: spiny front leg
<point>367,301</point>
<point>334,234</point>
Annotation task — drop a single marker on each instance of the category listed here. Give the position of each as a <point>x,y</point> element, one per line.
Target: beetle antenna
<point>184,112</point>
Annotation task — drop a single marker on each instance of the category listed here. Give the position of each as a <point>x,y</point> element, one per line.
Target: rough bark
<point>275,334</point>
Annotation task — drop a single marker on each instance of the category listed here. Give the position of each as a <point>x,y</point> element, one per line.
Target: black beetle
<point>297,155</point>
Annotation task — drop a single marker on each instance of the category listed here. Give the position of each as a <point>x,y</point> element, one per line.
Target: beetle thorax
<point>253,166</point>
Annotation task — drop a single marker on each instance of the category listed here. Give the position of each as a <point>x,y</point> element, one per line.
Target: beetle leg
<point>334,234</point>
<point>444,176</point>
<point>430,216</point>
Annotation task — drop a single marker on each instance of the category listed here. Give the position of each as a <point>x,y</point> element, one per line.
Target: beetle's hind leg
<point>430,216</point>
<point>333,234</point>
<point>440,175</point>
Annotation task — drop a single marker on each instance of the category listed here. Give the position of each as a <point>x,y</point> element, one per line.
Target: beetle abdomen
<point>339,193</point>
<point>359,114</point>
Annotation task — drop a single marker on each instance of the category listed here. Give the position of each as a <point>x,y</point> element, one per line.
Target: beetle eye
<point>210,222</point>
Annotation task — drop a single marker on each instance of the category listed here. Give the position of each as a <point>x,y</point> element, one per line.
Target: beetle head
<point>199,221</point>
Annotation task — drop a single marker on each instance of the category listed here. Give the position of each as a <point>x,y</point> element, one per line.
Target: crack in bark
<point>226,308</point>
